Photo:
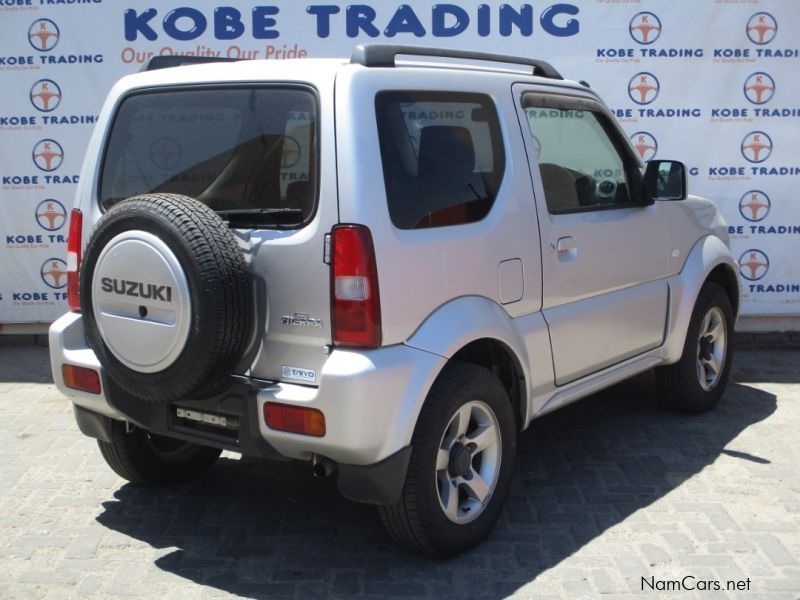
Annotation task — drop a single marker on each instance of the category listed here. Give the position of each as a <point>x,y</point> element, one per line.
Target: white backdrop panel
<point>710,82</point>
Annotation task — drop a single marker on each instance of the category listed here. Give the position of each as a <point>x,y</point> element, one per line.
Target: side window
<point>580,166</point>
<point>442,156</point>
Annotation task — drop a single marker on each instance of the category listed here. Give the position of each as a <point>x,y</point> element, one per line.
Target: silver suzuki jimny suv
<point>386,267</point>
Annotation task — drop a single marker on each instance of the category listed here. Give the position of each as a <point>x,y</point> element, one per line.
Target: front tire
<point>461,465</point>
<point>149,459</point>
<point>697,381</point>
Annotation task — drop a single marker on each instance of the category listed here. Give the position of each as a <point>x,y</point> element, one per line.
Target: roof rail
<point>165,62</point>
<point>384,55</point>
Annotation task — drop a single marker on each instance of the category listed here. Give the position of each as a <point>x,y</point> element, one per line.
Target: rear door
<point>262,156</point>
<point>604,253</point>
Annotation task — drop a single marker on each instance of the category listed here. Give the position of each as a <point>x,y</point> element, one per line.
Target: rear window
<point>233,149</point>
<point>442,156</point>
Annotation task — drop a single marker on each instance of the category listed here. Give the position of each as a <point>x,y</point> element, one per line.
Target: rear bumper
<point>370,399</point>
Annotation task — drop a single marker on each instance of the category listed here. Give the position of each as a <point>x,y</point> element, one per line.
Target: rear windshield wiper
<point>254,218</point>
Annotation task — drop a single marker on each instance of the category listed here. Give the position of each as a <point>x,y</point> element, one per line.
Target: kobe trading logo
<point>291,152</point>
<point>762,28</point>
<point>54,273</point>
<point>756,147</point>
<point>48,155</point>
<point>165,153</point>
<point>45,95</point>
<point>753,264</point>
<point>754,205</point>
<point>43,35</point>
<point>51,214</point>
<point>643,88</point>
<point>645,28</point>
<point>759,88</point>
<point>645,145</point>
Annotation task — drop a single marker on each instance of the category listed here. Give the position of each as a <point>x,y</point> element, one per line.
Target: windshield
<point>233,149</point>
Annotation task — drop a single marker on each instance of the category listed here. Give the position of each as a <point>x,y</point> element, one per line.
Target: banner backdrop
<point>711,82</point>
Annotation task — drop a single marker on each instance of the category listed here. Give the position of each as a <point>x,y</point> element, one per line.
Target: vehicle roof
<point>309,70</point>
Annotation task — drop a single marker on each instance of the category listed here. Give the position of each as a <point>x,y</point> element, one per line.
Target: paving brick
<point>605,582</point>
<point>781,585</point>
<point>722,521</point>
<point>90,586</point>
<point>679,543</point>
<point>777,552</point>
<point>578,589</point>
<point>401,589</point>
<point>46,577</point>
<point>630,566</point>
<point>655,555</point>
<point>705,560</point>
<point>347,583</point>
<point>702,532</point>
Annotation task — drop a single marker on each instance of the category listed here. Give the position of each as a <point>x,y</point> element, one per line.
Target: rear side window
<point>442,155</point>
<point>232,149</point>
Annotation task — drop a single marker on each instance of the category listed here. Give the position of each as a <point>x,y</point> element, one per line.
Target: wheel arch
<point>494,341</point>
<point>497,357</point>
<point>709,260</point>
<point>724,275</point>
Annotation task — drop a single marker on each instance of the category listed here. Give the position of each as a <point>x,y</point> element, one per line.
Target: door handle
<point>566,244</point>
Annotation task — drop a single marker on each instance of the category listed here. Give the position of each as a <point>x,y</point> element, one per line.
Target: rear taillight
<point>355,300</point>
<point>74,260</point>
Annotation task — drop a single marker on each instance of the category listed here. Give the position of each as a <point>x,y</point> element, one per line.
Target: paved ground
<point>609,492</point>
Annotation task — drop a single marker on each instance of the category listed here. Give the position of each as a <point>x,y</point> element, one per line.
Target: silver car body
<point>580,301</point>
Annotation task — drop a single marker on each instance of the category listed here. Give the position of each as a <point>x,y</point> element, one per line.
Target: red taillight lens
<point>81,378</point>
<point>355,300</point>
<point>294,419</point>
<point>74,260</point>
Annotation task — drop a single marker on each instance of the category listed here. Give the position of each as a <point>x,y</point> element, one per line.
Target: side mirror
<point>665,180</point>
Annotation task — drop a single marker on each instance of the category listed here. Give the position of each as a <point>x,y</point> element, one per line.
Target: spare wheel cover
<point>141,301</point>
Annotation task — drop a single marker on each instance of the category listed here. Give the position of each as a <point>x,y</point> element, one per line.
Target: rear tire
<point>697,381</point>
<point>461,465</point>
<point>149,459</point>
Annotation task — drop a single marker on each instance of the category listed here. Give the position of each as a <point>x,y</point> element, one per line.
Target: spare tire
<point>166,297</point>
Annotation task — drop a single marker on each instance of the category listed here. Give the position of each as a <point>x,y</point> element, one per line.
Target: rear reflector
<point>294,419</point>
<point>81,378</point>
<point>74,260</point>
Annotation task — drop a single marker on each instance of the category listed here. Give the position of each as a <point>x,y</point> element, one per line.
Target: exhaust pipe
<point>321,466</point>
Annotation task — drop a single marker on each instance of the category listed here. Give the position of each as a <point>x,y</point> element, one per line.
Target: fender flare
<point>444,333</point>
<point>707,254</point>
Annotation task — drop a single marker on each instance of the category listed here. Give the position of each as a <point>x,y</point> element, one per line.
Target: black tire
<point>149,459</point>
<point>679,385</point>
<point>418,521</point>
<point>220,289</point>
